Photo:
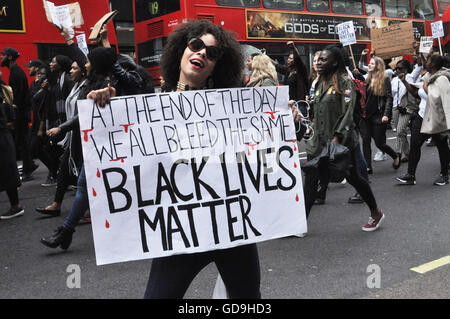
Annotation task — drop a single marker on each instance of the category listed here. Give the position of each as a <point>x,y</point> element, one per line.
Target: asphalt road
<point>335,260</point>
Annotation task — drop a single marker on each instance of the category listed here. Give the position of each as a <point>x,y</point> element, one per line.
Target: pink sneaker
<point>373,224</point>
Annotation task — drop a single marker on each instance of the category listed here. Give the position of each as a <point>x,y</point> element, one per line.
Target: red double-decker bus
<point>270,24</point>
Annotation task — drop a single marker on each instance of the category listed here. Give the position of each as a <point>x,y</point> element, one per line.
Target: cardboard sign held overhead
<point>393,41</point>
<point>68,15</point>
<point>98,26</point>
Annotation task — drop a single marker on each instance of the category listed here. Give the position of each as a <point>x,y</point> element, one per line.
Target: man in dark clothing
<point>125,78</point>
<point>19,84</point>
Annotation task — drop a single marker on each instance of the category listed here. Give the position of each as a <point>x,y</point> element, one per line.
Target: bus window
<point>150,52</point>
<point>283,4</point>
<point>374,8</point>
<point>442,5</point>
<point>149,9</point>
<point>347,6</point>
<point>239,3</point>
<point>318,5</point>
<point>398,8</point>
<point>423,9</point>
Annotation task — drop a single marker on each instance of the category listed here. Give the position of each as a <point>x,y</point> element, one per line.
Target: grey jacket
<point>437,111</point>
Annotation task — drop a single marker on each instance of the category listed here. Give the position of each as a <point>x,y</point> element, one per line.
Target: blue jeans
<point>81,203</point>
<point>361,164</point>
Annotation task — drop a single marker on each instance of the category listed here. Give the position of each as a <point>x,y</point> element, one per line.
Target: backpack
<point>360,109</point>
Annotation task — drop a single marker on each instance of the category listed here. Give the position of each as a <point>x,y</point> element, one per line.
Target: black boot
<point>61,237</point>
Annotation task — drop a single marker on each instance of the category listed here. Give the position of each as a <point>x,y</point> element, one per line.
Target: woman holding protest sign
<point>378,112</point>
<point>333,124</point>
<point>201,55</point>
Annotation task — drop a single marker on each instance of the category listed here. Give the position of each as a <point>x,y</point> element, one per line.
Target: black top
<point>19,84</point>
<point>371,104</point>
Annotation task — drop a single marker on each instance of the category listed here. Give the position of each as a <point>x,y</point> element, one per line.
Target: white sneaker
<point>380,156</point>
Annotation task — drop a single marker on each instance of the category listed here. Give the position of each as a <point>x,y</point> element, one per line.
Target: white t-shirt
<point>423,101</point>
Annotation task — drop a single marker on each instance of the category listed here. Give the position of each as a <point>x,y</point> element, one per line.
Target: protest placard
<point>392,41</point>
<point>347,36</point>
<point>186,172</point>
<point>346,33</point>
<point>426,43</point>
<point>437,29</point>
<point>98,26</point>
<point>67,16</point>
<point>82,44</point>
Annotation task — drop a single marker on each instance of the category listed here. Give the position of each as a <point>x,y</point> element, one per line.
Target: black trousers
<point>171,276</point>
<point>417,140</point>
<point>21,140</point>
<point>361,185</point>
<point>371,130</point>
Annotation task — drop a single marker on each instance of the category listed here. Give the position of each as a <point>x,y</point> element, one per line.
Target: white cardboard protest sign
<point>437,29</point>
<point>82,44</point>
<point>67,16</point>
<point>193,171</point>
<point>346,32</point>
<point>426,43</point>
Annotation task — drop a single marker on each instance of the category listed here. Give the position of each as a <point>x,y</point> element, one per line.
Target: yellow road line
<point>432,265</point>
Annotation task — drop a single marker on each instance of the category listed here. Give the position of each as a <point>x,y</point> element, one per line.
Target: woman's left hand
<point>384,119</point>
<point>102,96</point>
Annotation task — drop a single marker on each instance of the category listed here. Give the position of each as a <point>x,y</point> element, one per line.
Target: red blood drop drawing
<point>98,173</point>
<point>296,198</point>
<point>272,114</point>
<point>86,134</point>
<point>107,224</point>
<point>295,165</point>
<point>94,193</point>
<point>249,153</point>
<point>295,148</point>
<point>125,126</point>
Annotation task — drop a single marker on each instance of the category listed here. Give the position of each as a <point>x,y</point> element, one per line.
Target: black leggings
<point>171,276</point>
<point>361,185</point>
<point>371,130</point>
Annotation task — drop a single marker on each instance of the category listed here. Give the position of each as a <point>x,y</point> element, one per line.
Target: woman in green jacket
<point>333,107</point>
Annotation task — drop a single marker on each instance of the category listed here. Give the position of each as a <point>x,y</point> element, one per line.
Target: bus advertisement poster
<point>314,27</point>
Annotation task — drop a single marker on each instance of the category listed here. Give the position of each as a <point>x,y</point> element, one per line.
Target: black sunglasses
<point>212,52</point>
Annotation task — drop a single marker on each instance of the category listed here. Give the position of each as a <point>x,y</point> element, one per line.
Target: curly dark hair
<point>229,68</point>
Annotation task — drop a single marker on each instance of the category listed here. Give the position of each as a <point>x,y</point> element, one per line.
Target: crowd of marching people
<point>344,108</point>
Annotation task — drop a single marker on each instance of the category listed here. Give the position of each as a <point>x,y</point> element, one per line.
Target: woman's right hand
<point>53,131</point>
<point>365,51</point>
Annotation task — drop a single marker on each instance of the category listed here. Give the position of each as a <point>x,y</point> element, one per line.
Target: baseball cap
<point>11,52</point>
<point>35,62</point>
